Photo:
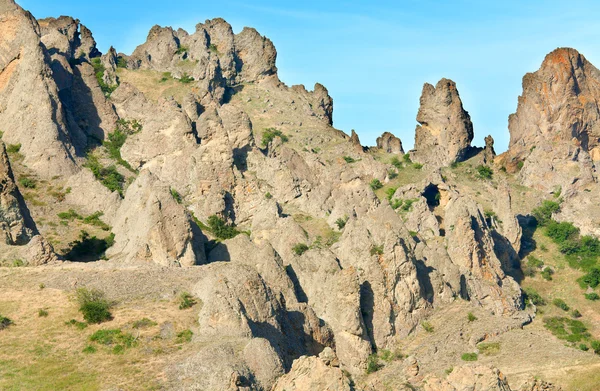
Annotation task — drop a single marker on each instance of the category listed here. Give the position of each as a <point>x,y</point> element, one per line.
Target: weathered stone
<point>390,144</point>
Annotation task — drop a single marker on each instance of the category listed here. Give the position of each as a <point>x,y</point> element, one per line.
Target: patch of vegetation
<point>471,317</point>
<point>417,166</point>
<point>186,79</point>
<point>99,70</point>
<point>88,247</point>
<point>5,322</point>
<point>376,184</point>
<point>389,192</point>
<point>392,174</point>
<point>42,313</point>
<point>396,203</point>
<point>143,323</point>
<point>300,248</point>
<point>115,338</point>
<point>13,148</point>
<point>93,305</point>
<point>427,326</point>
<point>484,172</point>
<point>213,48</point>
<point>592,296</point>
<point>407,206</point>
<point>27,182</point>
<point>166,76</point>
<point>568,329</point>
<point>108,176</point>
<point>520,165</point>
<point>469,357</point>
<point>269,135</point>
<point>396,163</point>
<point>184,336</point>
<point>220,229</point>
<point>591,279</point>
<point>176,196</point>
<point>560,303</point>
<point>576,314</point>
<point>531,296</point>
<point>388,356</point>
<point>406,158</point>
<point>268,195</point>
<point>93,219</point>
<point>182,49</point>
<point>547,274</point>
<point>535,262</point>
<point>373,364</point>
<point>377,250</point>
<point>186,300</point>
<point>349,159</point>
<point>79,325</point>
<point>489,348</point>
<point>341,222</point>
<point>543,213</point>
<point>121,62</point>
<point>18,263</point>
<point>89,349</point>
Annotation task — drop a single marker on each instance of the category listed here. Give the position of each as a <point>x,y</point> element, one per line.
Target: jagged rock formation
<point>390,143</point>
<point>488,152</point>
<point>316,271</point>
<point>445,131</point>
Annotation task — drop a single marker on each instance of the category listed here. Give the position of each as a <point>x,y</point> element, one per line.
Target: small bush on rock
<point>300,248</point>
<point>469,357</point>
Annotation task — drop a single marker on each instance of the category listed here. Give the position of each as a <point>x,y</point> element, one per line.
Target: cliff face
<point>316,253</point>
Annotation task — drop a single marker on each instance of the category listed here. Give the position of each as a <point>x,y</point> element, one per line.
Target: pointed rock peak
<point>489,153</point>
<point>390,143</point>
<point>356,141</point>
<point>445,131</point>
<point>565,57</point>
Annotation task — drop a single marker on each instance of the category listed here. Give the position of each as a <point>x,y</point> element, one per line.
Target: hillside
<point>180,219</point>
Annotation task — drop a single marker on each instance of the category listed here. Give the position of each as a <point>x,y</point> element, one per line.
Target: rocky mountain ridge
<point>317,254</point>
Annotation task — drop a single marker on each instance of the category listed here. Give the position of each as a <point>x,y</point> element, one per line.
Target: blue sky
<point>374,56</point>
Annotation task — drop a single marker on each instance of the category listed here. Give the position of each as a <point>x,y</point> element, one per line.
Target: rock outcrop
<point>312,373</point>
<point>390,144</point>
<point>478,378</point>
<point>445,131</point>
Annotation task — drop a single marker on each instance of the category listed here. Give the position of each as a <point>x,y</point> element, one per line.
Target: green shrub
<point>99,72</point>
<point>42,313</point>
<point>576,314</point>
<point>108,176</point>
<point>484,172</point>
<point>269,135</point>
<point>406,158</point>
<point>213,48</point>
<point>534,262</point>
<point>583,347</point>
<point>186,300</point>
<point>18,263</point>
<point>27,183</point>
<point>560,303</point>
<point>392,174</point>
<point>377,250</point>
<point>93,305</point>
<point>121,62</point>
<point>13,148</point>
<point>341,222</point>
<point>417,166</point>
<point>543,213</point>
<point>469,357</point>
<point>591,279</point>
<point>595,346</point>
<point>89,349</point>
<point>5,322</point>
<point>396,162</point>
<point>531,296</point>
<point>520,165</point>
<point>143,323</point>
<point>373,364</point>
<point>300,248</point>
<point>592,296</point>
<point>471,317</point>
<point>349,159</point>
<point>186,79</point>
<point>268,195</point>
<point>71,215</point>
<point>115,338</point>
<point>427,326</point>
<point>389,192</point>
<point>547,274</point>
<point>219,228</point>
<point>570,330</point>
<point>560,232</point>
<point>176,196</point>
<point>184,336</point>
<point>376,184</point>
<point>408,205</point>
<point>94,219</point>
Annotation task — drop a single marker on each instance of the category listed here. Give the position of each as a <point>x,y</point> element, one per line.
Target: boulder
<point>390,144</point>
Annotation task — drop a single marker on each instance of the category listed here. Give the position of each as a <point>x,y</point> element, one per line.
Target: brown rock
<point>390,143</point>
